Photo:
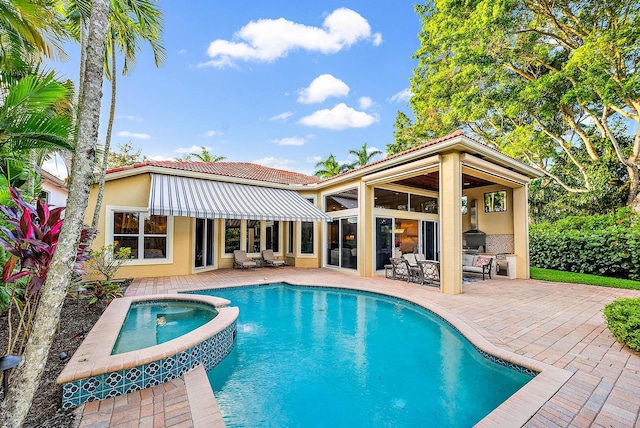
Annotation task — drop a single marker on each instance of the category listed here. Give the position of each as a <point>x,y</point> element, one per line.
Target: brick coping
<point>93,356</point>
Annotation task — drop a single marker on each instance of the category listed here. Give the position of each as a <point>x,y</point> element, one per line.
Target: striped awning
<point>192,197</point>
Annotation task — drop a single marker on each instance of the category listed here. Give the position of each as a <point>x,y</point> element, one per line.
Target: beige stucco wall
<point>496,223</point>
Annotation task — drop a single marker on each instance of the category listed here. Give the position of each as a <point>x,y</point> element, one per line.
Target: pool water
<point>311,357</point>
<point>151,323</point>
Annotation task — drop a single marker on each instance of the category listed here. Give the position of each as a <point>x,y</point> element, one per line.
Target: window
<point>390,200</point>
<point>147,240</point>
<point>465,203</point>
<point>231,235</point>
<point>253,236</point>
<point>495,201</point>
<point>306,237</point>
<point>342,201</point>
<point>204,243</point>
<point>291,238</point>
<point>423,204</point>
<point>272,237</point>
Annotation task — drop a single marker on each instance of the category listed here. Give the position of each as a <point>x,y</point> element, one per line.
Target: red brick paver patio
<point>557,324</point>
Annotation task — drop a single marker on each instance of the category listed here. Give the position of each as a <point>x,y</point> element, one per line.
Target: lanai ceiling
<point>430,181</point>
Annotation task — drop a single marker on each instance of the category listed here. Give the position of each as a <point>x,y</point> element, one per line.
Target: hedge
<point>607,244</point>
<point>623,319</point>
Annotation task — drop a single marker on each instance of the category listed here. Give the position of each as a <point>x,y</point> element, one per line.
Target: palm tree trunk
<point>27,376</point>
<point>107,140</point>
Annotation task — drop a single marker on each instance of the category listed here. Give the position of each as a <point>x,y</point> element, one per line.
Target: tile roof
<point>243,170</point>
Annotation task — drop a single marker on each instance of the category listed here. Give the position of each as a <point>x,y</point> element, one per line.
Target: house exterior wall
<point>56,196</point>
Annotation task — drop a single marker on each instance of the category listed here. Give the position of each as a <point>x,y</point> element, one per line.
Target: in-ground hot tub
<point>151,323</point>
<point>94,373</point>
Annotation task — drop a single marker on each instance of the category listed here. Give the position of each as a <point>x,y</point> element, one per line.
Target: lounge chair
<point>241,260</point>
<point>400,268</point>
<point>429,272</point>
<point>269,259</point>
<point>415,273</point>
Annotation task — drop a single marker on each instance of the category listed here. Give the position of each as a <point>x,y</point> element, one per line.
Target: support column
<point>521,231</point>
<point>451,223</point>
<point>366,240</point>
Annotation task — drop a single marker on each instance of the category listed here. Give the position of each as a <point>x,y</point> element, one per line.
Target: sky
<point>283,84</point>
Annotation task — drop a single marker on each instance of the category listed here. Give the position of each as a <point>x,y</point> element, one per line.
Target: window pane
<point>199,261</point>
<point>253,236</point>
<point>155,225</point>
<point>125,223</point>
<point>273,236</point>
<point>210,242</point>
<point>127,242</point>
<point>350,242</point>
<point>155,248</point>
<point>390,199</point>
<point>342,201</point>
<point>290,249</point>
<point>383,242</point>
<point>306,241</point>
<point>424,204</point>
<point>231,236</point>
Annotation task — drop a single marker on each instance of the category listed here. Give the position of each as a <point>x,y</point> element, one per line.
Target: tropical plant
<point>363,156</point>
<point>203,156</point>
<point>544,81</point>
<point>103,290</point>
<point>130,21</point>
<point>30,242</point>
<point>34,115</point>
<point>24,381</point>
<point>329,167</point>
<point>108,260</point>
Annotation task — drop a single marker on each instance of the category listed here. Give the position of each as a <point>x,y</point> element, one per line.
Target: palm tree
<point>363,156</point>
<point>329,167</point>
<point>24,381</point>
<point>204,156</point>
<point>34,115</point>
<point>130,21</point>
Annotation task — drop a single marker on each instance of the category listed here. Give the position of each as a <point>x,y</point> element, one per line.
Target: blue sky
<point>279,83</point>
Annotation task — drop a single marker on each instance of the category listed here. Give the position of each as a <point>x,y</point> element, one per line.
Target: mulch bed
<point>76,319</point>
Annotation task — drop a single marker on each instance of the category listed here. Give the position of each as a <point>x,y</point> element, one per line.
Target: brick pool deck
<point>557,324</point>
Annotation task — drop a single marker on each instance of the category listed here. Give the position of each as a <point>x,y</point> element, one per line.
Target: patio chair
<point>400,269</point>
<point>241,260</point>
<point>415,273</point>
<point>420,257</point>
<point>269,259</point>
<point>430,272</point>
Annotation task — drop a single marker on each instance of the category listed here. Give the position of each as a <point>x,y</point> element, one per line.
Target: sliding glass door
<point>342,243</point>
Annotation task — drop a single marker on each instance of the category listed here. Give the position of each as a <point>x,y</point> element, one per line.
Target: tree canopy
<point>554,83</point>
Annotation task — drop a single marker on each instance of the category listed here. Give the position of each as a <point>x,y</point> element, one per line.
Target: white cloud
<point>365,102</point>
<point>290,141</point>
<point>130,117</point>
<point>339,117</point>
<point>211,133</point>
<point>402,96</point>
<point>267,40</point>
<point>182,51</point>
<point>377,39</point>
<point>159,158</point>
<point>282,116</point>
<point>56,167</point>
<point>192,149</point>
<point>323,87</point>
<point>314,159</point>
<point>272,162</point>
<point>137,135</point>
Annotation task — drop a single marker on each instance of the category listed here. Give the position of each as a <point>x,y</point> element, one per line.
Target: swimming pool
<point>150,323</point>
<point>317,357</point>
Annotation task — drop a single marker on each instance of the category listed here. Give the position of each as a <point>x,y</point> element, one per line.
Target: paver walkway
<point>559,324</point>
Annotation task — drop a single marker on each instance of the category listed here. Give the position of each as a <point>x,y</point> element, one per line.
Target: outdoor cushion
<point>481,261</point>
<point>467,259</point>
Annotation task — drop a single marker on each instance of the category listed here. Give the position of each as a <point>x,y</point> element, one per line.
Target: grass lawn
<point>582,278</point>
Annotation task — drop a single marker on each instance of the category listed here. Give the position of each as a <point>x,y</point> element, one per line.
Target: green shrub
<point>606,244</point>
<point>623,319</point>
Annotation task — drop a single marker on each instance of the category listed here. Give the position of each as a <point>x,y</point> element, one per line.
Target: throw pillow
<point>481,261</point>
